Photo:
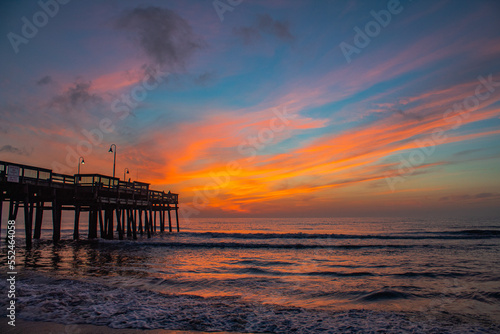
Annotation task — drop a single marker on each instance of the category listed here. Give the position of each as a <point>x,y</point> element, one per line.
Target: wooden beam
<point>146,223</point>
<point>169,219</point>
<point>28,218</point>
<point>154,213</point>
<point>56,220</point>
<point>1,209</point>
<point>129,223</point>
<point>141,231</point>
<point>40,206</point>
<point>118,219</point>
<point>177,216</point>
<point>76,232</point>
<point>120,232</point>
<point>93,222</point>
<point>151,227</point>
<point>134,223</point>
<point>102,224</point>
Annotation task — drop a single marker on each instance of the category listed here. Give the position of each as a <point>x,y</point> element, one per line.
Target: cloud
<point>164,36</point>
<point>248,35</point>
<point>471,197</point>
<point>204,78</point>
<point>265,24</point>
<point>15,150</point>
<point>46,80</point>
<point>467,152</point>
<point>274,27</point>
<point>76,98</point>
<point>486,195</point>
<point>409,115</point>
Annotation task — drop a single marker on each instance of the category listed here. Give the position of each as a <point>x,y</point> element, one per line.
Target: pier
<point>136,208</point>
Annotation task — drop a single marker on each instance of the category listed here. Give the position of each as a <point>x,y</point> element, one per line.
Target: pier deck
<point>135,207</point>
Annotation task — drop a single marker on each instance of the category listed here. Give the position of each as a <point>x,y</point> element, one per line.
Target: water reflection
<point>361,270</point>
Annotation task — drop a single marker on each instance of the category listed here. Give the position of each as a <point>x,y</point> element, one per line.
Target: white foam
<point>67,301</point>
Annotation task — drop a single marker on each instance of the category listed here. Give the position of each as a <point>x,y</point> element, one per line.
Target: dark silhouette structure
<point>36,190</point>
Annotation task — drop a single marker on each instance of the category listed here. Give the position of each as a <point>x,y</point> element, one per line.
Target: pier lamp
<point>80,162</point>
<point>114,158</point>
<point>125,171</point>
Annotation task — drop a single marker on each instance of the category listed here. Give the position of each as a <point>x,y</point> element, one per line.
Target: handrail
<point>62,178</point>
<point>43,176</point>
<point>164,197</point>
<point>35,175</point>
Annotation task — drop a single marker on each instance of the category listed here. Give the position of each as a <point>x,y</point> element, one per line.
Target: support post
<point>177,216</point>
<point>56,220</point>
<point>93,222</point>
<point>38,219</point>
<point>151,227</point>
<point>28,218</point>
<point>147,223</point>
<point>76,232</point>
<point>13,208</point>
<point>1,209</point>
<point>105,234</point>
<point>162,224</point>
<point>129,223</point>
<point>118,220</point>
<point>102,225</point>
<point>155,214</point>
<point>141,231</point>
<point>134,224</point>
<point>123,220</point>
<point>111,221</point>
<point>169,219</point>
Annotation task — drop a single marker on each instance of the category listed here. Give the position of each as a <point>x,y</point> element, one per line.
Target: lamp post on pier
<point>80,162</point>
<point>125,171</point>
<point>114,158</point>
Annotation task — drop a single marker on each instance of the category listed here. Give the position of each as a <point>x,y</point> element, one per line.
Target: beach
<point>38,327</point>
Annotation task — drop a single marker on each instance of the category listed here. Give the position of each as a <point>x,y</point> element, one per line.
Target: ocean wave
<point>76,302</point>
<point>263,263</point>
<point>382,295</point>
<point>462,234</point>
<point>340,274</point>
<point>243,245</point>
<point>411,274</point>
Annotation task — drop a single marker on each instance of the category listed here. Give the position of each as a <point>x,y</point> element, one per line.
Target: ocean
<point>324,275</point>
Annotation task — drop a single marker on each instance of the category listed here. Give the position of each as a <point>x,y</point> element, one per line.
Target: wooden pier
<point>137,209</point>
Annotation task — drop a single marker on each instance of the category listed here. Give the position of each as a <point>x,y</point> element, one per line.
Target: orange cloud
<point>345,160</point>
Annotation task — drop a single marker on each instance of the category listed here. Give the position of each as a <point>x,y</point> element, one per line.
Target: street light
<point>80,162</point>
<point>114,159</point>
<point>127,171</point>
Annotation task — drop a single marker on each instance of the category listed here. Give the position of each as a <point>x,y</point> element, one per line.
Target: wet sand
<point>28,327</point>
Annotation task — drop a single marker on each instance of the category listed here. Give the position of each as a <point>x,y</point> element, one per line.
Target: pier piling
<point>76,234</point>
<point>31,187</point>
<point>40,206</point>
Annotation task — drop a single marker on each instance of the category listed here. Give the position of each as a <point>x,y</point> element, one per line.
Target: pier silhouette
<point>136,207</point>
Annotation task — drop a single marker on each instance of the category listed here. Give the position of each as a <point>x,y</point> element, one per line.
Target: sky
<point>265,108</point>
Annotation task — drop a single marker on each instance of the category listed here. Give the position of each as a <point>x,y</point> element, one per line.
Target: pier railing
<point>24,174</point>
<point>29,186</point>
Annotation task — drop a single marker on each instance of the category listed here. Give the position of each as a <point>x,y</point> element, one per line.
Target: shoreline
<point>42,327</point>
